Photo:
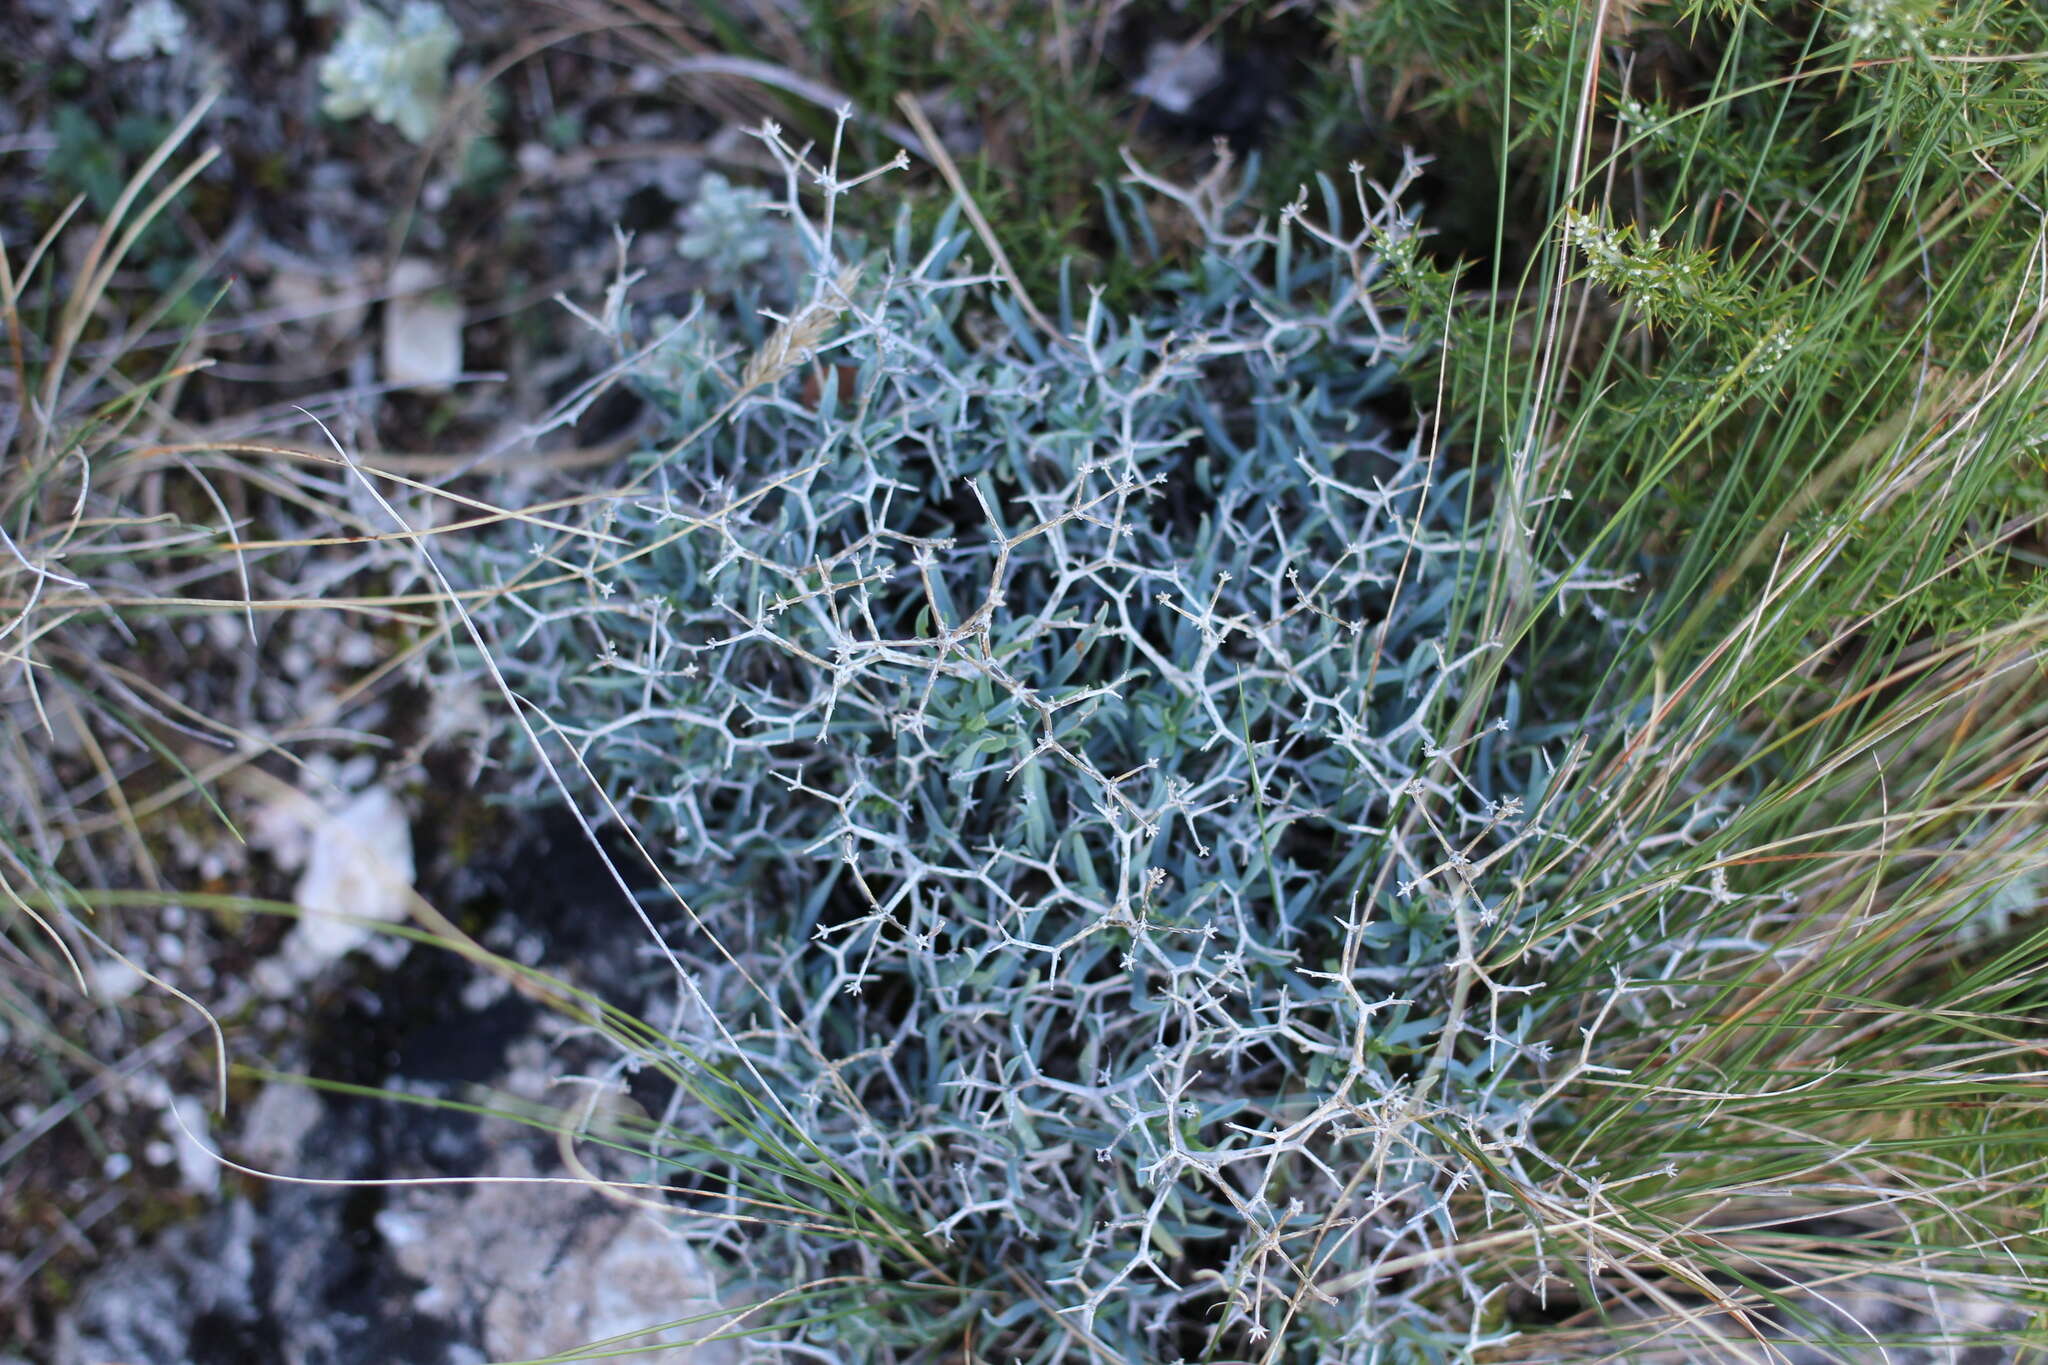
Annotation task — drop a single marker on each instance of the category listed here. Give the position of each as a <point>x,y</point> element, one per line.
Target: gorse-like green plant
<point>1831,492</point>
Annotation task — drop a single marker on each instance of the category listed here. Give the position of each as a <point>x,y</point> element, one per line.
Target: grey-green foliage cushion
<point>1053,732</point>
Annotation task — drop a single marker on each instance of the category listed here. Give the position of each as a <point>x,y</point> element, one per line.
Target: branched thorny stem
<point>1019,743</point>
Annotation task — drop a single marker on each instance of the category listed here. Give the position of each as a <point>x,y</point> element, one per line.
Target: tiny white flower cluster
<point>1894,27</point>
<point>1636,264</point>
<point>395,71</point>
<point>1649,124</point>
<point>1776,345</point>
<point>1599,243</point>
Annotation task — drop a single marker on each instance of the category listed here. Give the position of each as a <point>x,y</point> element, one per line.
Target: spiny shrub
<point>1093,764</point>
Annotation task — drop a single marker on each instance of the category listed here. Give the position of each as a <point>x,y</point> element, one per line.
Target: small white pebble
<point>398,1228</point>
<point>114,981</point>
<point>534,158</point>
<point>198,1170</point>
<point>422,330</point>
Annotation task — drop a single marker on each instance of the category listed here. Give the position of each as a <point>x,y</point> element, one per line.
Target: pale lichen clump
<point>151,28</point>
<point>395,70</point>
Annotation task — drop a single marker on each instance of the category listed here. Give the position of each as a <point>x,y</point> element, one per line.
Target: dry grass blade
<point>934,150</point>
<point>795,340</point>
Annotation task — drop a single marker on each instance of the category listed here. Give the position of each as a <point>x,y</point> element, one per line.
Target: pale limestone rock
<point>1176,76</point>
<point>358,862</point>
<point>282,1116</point>
<point>555,1267</point>
<point>422,329</point>
<point>188,1125</point>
